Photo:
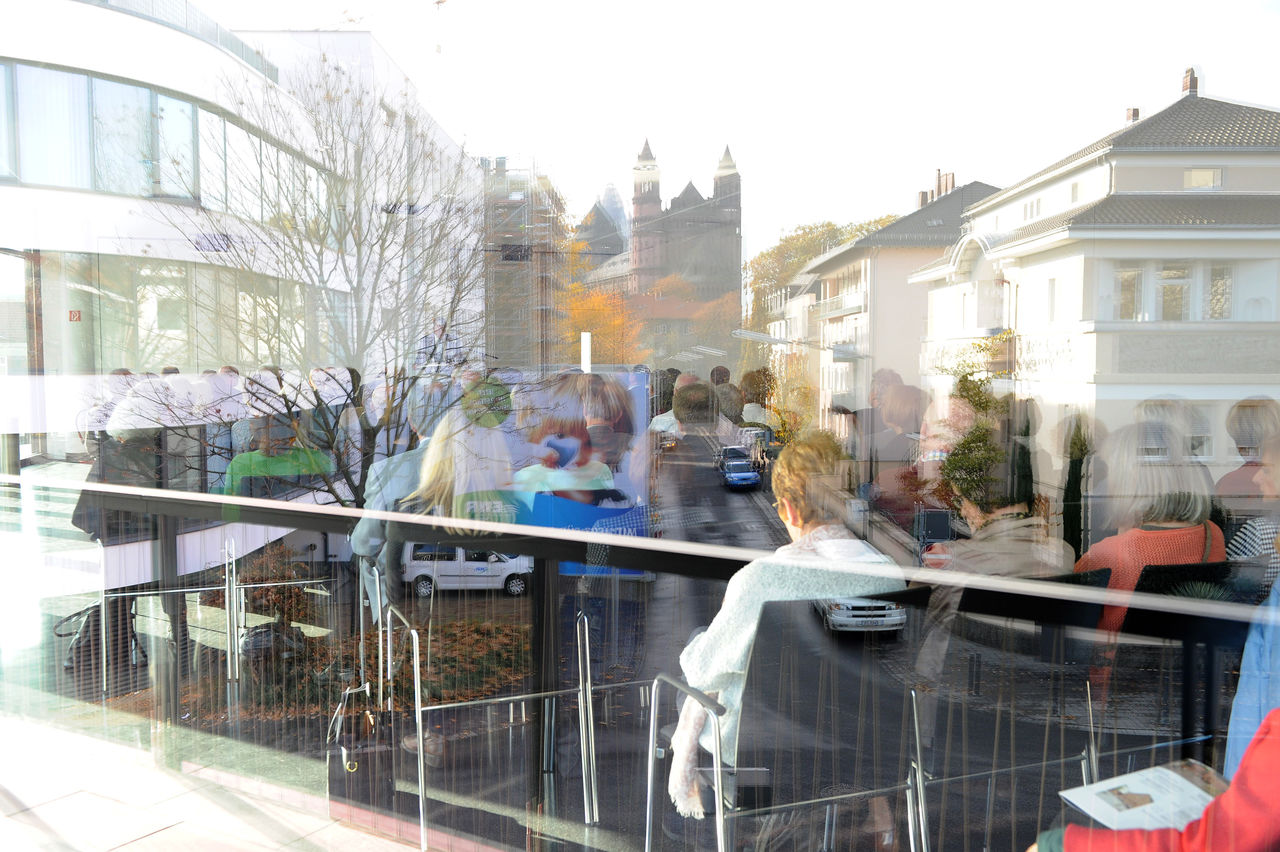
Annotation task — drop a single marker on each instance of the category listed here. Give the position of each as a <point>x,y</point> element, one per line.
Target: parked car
<point>430,566</point>
<point>861,615</point>
<point>730,453</point>
<point>739,473</point>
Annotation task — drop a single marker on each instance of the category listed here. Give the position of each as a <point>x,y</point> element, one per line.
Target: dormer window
<point>1202,179</point>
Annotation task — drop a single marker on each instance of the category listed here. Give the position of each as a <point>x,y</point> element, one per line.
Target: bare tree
<point>348,228</point>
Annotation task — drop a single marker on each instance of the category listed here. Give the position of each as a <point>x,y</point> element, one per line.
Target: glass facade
<point>475,502</point>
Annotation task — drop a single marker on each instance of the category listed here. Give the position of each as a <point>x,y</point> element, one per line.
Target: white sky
<point>832,109</point>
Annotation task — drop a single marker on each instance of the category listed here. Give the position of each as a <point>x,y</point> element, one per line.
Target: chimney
<point>937,183</point>
<point>922,197</point>
<point>1190,83</point>
<point>1131,115</point>
<point>948,182</point>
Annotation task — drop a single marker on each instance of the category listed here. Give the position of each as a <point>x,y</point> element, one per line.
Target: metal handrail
<point>586,723</point>
<point>714,711</point>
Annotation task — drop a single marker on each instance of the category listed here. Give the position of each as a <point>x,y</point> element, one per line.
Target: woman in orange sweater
<point>1159,503</point>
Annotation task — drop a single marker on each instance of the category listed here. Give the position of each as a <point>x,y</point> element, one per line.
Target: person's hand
<point>1034,847</point>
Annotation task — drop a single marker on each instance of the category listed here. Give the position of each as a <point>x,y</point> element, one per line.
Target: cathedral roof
<point>688,197</point>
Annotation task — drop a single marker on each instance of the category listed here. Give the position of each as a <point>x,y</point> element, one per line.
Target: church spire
<point>726,166</point>
<point>646,156</point>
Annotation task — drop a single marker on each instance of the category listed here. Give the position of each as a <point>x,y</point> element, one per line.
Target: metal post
<point>422,743</point>
<point>545,641</point>
<point>231,602</point>
<point>586,723</point>
<point>917,767</point>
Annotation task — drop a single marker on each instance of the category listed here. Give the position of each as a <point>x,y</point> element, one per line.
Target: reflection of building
<point>1145,264</point>
<point>524,243</point>
<point>865,309</point>
<point>697,239</point>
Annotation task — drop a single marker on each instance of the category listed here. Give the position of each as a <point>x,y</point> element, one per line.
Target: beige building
<point>865,314</point>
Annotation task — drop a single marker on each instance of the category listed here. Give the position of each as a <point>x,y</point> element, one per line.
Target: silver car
<point>431,566</point>
<point>861,615</point>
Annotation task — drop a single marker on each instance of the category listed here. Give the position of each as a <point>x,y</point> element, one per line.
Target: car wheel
<point>423,587</point>
<point>516,585</point>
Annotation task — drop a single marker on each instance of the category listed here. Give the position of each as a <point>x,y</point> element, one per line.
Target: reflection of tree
<point>340,235</point>
<point>769,273</point>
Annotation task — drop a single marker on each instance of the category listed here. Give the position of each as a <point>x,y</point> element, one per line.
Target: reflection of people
<point>1256,540</point>
<point>390,480</point>
<point>1250,422</point>
<point>276,456</point>
<point>1159,502</point>
<point>1242,819</point>
<point>567,465</point>
<point>820,562</point>
<point>756,387</point>
<point>989,471</point>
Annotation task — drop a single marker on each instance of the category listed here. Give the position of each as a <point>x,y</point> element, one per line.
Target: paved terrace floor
<point>63,790</point>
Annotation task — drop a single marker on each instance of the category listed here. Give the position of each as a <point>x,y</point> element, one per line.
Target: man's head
<point>694,404</point>
<point>756,386</point>
<point>881,380</point>
<point>805,458</point>
<point>719,375</point>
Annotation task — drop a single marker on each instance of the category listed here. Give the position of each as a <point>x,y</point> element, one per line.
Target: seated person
<point>276,456</point>
<point>1159,503</point>
<point>989,472</point>
<point>822,561</point>
<point>1256,540</point>
<point>1250,422</point>
<point>1239,820</point>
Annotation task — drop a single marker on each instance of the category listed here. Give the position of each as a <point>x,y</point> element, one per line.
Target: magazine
<point>1167,796</point>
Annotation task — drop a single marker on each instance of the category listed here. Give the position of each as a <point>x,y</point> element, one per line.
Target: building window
<point>1129,293</point>
<point>122,155</point>
<point>176,166</point>
<point>53,127</point>
<point>1202,178</point>
<point>1175,291</point>
<point>213,161</point>
<point>1051,297</point>
<point>6,125</point>
<point>1200,439</point>
<point>1217,303</point>
<point>1075,191</point>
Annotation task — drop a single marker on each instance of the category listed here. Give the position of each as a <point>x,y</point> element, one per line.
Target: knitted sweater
<point>1127,553</point>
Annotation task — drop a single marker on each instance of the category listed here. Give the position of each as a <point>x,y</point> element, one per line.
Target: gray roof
<point>1191,123</point>
<point>1208,211</point>
<point>935,224</point>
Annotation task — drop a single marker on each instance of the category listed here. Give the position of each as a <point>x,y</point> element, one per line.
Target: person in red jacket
<point>1243,819</point>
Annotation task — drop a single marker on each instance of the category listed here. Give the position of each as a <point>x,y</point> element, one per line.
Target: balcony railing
<point>831,730</point>
<point>845,303</point>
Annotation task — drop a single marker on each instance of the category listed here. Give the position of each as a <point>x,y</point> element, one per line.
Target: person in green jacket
<point>277,456</point>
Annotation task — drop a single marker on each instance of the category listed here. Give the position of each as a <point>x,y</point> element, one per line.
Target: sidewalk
<point>67,791</point>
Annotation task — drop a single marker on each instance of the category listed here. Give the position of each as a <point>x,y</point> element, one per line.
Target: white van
<point>428,566</point>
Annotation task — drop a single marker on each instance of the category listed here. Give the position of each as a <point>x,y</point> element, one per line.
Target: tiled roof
<point>1191,123</point>
<point>1208,211</point>
<point>1194,122</point>
<point>935,224</point>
